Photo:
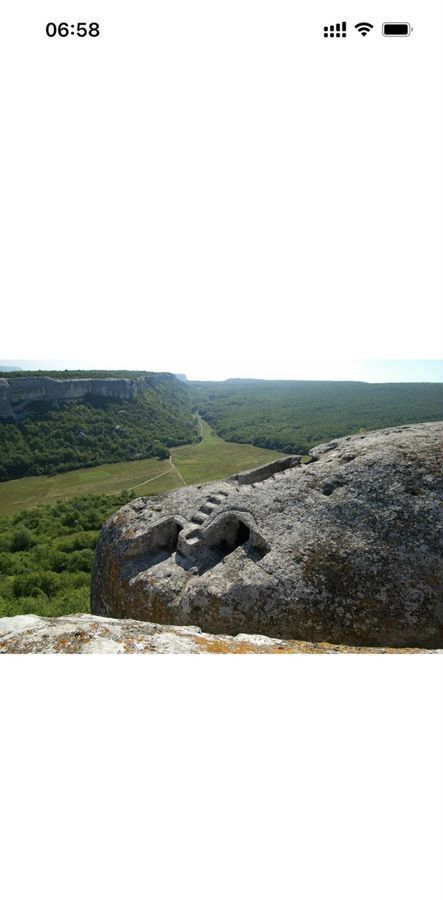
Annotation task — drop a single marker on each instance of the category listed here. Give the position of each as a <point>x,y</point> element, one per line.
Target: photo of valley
<point>142,512</point>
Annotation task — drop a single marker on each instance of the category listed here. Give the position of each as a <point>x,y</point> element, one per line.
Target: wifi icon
<point>364,28</point>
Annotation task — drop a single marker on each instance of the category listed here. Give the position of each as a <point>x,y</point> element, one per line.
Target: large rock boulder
<point>346,549</point>
<point>93,634</point>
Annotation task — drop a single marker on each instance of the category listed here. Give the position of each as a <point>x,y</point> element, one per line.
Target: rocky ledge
<point>94,634</point>
<point>346,549</point>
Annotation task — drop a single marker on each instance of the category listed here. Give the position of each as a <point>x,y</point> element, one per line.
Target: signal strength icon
<point>338,30</point>
<point>364,28</point>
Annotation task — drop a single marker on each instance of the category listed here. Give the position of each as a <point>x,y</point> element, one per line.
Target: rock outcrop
<point>346,549</point>
<point>93,634</point>
<point>16,394</point>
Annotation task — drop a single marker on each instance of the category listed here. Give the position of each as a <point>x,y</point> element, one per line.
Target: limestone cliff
<point>16,394</point>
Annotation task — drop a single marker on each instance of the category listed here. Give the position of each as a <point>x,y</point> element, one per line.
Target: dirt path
<point>132,487</point>
<point>173,466</point>
<point>140,483</point>
<point>177,472</point>
<point>199,423</point>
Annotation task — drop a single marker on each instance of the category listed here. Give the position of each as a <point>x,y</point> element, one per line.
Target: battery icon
<point>396,29</point>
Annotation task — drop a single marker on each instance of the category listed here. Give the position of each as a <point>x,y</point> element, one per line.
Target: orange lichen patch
<point>206,644</point>
<point>216,644</point>
<point>72,643</point>
<point>225,645</point>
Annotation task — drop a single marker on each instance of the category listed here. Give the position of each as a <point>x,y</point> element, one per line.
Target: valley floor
<point>209,460</point>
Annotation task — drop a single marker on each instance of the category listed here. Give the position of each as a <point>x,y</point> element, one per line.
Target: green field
<point>190,464</point>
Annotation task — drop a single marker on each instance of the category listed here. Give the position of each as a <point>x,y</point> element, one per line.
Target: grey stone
<point>261,473</point>
<point>347,549</point>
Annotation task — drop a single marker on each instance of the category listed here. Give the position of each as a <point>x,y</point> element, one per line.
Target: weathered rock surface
<point>347,549</point>
<point>94,634</point>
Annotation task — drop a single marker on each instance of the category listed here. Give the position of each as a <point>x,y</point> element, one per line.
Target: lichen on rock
<point>83,633</point>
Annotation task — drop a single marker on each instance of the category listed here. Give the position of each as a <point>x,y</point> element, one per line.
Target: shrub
<point>22,540</point>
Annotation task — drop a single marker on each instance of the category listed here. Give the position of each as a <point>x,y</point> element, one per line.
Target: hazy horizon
<point>372,371</point>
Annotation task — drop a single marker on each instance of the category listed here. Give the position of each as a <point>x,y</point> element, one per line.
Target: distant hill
<point>69,374</point>
<point>60,421</point>
<point>293,416</point>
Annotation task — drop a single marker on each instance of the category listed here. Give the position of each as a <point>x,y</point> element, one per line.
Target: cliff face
<point>347,549</point>
<point>17,393</point>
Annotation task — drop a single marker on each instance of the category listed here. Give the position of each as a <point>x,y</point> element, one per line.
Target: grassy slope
<point>211,459</point>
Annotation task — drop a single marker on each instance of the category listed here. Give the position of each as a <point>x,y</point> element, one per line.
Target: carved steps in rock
<point>208,507</point>
<point>198,518</point>
<point>189,540</point>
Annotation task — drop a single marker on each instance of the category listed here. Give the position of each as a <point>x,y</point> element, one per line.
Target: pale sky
<point>220,191</point>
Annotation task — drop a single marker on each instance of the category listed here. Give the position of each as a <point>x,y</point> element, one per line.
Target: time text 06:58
<point>78,29</point>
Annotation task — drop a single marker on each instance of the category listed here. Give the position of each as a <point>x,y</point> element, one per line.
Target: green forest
<point>46,555</point>
<point>98,430</point>
<point>293,416</point>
